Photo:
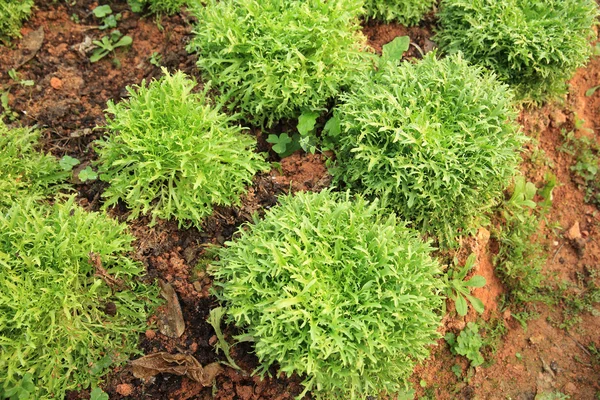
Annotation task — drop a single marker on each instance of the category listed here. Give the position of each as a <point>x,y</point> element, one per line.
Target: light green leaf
<point>87,174</point>
<point>394,50</point>
<point>102,11</point>
<point>476,281</point>
<point>67,163</point>
<point>306,122</point>
<point>461,306</point>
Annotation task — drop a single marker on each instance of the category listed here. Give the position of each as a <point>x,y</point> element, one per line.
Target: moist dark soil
<point>67,101</point>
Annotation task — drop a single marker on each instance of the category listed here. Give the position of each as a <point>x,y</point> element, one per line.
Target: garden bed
<point>67,101</point>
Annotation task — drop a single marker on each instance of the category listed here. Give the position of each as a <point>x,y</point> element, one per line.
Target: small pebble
<point>56,83</point>
<point>150,334</point>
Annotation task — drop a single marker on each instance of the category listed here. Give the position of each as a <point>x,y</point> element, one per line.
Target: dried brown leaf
<point>178,364</point>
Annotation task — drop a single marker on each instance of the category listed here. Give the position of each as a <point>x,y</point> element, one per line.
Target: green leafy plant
<point>587,165</point>
<point>437,139</point>
<point>69,306</point>
<point>468,344</point>
<point>172,154</point>
<point>534,45</point>
<point>25,171</point>
<point>105,13</point>
<point>67,163</point>
<point>521,256</point>
<point>276,59</point>
<point>407,12</point>
<point>12,14</point>
<point>168,7</point>
<point>87,174</point>
<point>335,289</point>
<point>108,44</point>
<point>459,290</point>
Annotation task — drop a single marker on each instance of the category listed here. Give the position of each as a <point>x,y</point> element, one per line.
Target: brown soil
<point>67,103</point>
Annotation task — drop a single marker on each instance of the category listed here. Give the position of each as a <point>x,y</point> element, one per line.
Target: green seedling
<point>98,394</point>
<point>156,59</point>
<point>67,163</point>
<point>26,172</point>
<point>214,319</point>
<point>105,13</point>
<point>87,174</point>
<point>468,344</point>
<point>14,75</point>
<point>459,290</point>
<point>283,144</point>
<point>108,44</point>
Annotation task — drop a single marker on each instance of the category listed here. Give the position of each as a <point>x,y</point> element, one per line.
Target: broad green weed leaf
<point>476,281</point>
<point>461,306</point>
<point>98,394</point>
<point>87,174</point>
<point>306,122</point>
<point>394,50</point>
<point>102,11</point>
<point>67,163</point>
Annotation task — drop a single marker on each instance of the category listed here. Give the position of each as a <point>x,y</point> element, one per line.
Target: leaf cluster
<point>468,343</point>
<point>334,289</point>
<point>61,270</point>
<point>406,12</point>
<point>587,165</point>
<point>274,59</point>
<point>171,154</point>
<point>168,7</point>
<point>521,257</point>
<point>436,138</point>
<point>459,290</point>
<point>12,14</point>
<point>25,171</point>
<point>534,45</point>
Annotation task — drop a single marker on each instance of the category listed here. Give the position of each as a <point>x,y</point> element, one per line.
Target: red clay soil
<point>67,103</point>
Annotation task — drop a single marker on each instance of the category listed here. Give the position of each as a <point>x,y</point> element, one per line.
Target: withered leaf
<point>30,45</point>
<point>170,317</point>
<point>178,364</point>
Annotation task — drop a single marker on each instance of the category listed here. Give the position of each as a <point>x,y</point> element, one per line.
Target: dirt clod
<point>125,389</point>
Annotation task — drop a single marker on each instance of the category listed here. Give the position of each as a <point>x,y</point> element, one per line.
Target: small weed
<point>520,256</point>
<point>105,14</point>
<point>108,44</point>
<point>156,59</point>
<point>67,163</point>
<point>87,174</point>
<point>587,164</point>
<point>468,343</point>
<point>459,290</point>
